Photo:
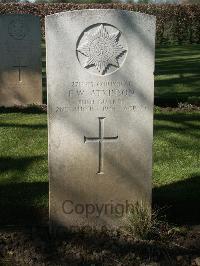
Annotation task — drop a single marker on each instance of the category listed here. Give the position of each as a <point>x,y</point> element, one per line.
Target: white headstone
<point>20,64</point>
<point>100,66</point>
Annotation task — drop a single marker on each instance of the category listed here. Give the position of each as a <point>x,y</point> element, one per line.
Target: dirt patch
<point>34,246</point>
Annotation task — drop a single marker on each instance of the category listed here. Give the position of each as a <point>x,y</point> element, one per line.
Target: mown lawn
<point>177,74</point>
<point>176,169</point>
<point>24,167</point>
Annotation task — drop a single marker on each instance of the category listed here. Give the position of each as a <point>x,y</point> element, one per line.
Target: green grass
<point>177,74</point>
<point>176,171</point>
<point>24,169</point>
<point>176,147</point>
<point>23,152</point>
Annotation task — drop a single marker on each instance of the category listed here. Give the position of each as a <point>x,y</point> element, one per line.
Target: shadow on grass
<point>18,203</point>
<point>180,200</point>
<point>31,126</point>
<point>180,61</point>
<point>20,164</point>
<point>18,199</point>
<point>183,125</point>
<point>32,109</point>
<point>179,66</point>
<point>177,117</point>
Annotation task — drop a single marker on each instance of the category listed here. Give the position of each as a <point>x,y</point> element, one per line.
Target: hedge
<point>176,24</point>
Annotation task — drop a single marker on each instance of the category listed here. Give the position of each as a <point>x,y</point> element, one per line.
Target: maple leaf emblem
<point>101,49</point>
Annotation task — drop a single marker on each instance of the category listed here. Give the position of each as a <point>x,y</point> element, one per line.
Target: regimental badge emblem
<point>101,49</point>
<point>17,29</point>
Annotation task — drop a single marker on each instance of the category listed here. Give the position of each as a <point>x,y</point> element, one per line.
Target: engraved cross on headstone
<point>100,139</point>
<point>20,69</point>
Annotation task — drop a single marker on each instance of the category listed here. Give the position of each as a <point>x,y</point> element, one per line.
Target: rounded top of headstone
<point>100,11</point>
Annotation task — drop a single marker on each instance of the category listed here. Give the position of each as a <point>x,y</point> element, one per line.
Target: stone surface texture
<point>100,66</point>
<point>20,65</point>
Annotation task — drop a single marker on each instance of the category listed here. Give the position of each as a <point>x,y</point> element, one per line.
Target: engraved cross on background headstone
<point>20,69</point>
<point>100,139</point>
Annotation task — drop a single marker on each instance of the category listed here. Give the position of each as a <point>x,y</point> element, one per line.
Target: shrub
<point>176,24</point>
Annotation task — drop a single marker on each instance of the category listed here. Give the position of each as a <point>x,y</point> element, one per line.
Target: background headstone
<point>20,64</point>
<point>100,67</point>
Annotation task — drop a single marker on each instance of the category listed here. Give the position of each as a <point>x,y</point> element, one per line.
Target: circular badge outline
<point>81,36</point>
<point>11,25</point>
